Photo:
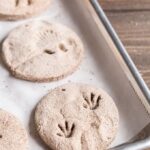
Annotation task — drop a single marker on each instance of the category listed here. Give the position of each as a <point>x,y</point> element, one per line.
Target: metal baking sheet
<point>121,49</point>
<point>99,68</point>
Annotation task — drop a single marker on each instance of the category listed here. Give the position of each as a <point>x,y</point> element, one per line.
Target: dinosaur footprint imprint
<point>66,130</point>
<point>91,102</point>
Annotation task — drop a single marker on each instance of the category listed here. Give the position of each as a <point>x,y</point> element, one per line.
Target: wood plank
<point>133,27</point>
<point>125,5</point>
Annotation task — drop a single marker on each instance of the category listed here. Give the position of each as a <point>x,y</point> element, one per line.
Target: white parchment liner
<point>98,68</point>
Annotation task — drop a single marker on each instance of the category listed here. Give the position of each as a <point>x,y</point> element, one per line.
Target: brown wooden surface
<point>131,20</point>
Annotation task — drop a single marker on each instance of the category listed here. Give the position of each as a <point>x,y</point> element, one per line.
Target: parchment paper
<point>98,68</point>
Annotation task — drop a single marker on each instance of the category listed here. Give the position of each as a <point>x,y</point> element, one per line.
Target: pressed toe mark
<point>48,51</point>
<point>92,102</point>
<point>63,48</point>
<point>72,42</point>
<point>16,2</point>
<point>30,2</point>
<point>26,25</point>
<point>66,130</point>
<point>51,31</point>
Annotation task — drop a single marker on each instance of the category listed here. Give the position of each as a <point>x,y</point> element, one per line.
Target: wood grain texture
<point>131,20</point>
<point>125,5</point>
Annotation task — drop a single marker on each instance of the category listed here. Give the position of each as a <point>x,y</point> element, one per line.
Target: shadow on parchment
<point>1,57</point>
<point>34,134</point>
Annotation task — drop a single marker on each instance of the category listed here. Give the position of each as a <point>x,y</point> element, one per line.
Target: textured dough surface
<point>12,134</point>
<point>42,51</point>
<point>77,117</point>
<point>19,9</point>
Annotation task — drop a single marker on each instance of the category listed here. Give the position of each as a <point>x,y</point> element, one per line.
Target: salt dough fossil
<point>41,51</point>
<point>20,9</point>
<point>12,133</point>
<point>77,117</point>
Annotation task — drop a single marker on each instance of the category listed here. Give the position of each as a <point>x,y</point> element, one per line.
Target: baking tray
<point>135,75</point>
<point>103,66</point>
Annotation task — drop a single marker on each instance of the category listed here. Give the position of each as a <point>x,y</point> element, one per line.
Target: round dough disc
<point>12,133</point>
<point>20,9</point>
<point>41,51</point>
<point>78,117</point>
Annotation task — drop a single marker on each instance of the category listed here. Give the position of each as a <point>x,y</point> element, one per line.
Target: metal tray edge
<point>124,55</point>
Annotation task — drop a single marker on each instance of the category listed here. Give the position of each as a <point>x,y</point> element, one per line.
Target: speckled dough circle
<point>12,134</point>
<point>77,117</point>
<point>42,51</point>
<point>19,9</point>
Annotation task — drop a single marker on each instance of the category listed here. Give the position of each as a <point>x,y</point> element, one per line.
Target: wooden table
<point>131,20</point>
